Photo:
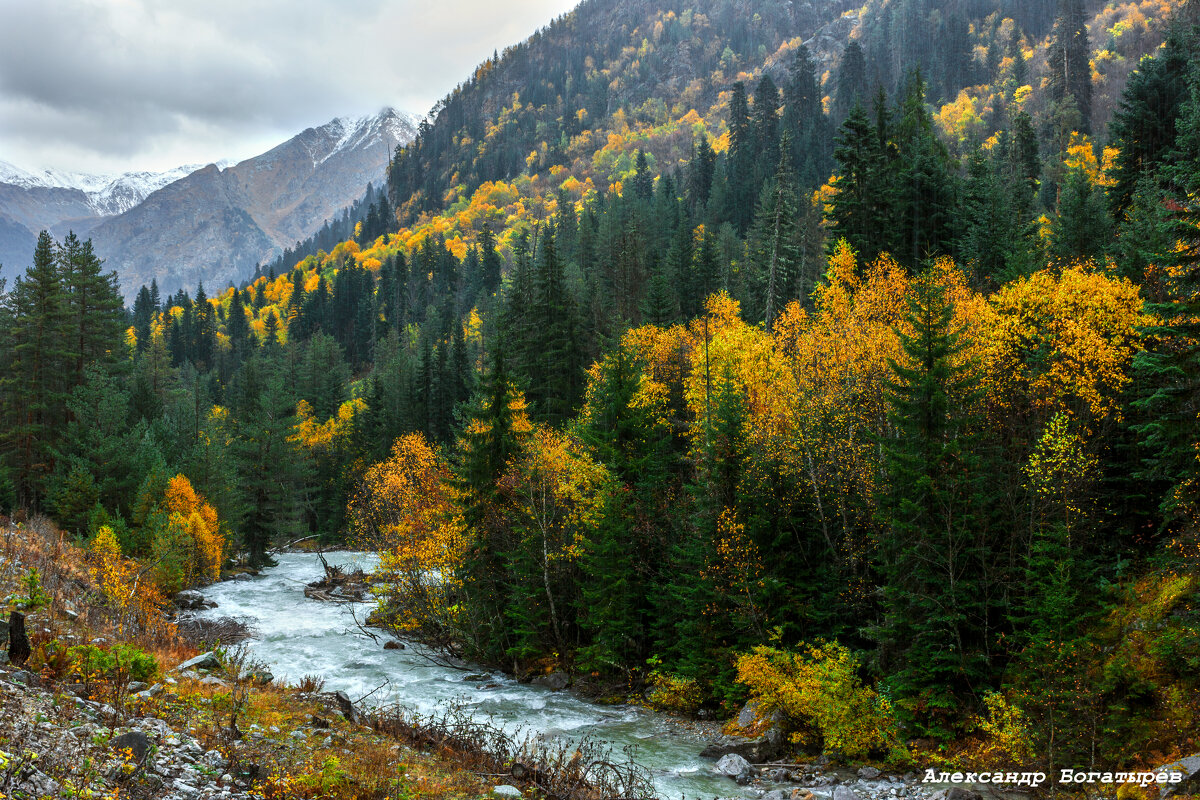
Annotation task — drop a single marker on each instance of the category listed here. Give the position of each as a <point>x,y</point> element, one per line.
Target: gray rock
<point>776,794</point>
<point>25,678</point>
<point>780,775</point>
<point>556,681</point>
<point>758,749</point>
<point>203,661</point>
<point>347,707</point>
<point>257,676</point>
<point>748,714</point>
<point>190,600</point>
<point>210,680</point>
<point>243,577</point>
<point>734,766</point>
<point>869,773</point>
<point>956,793</point>
<point>133,741</point>
<point>844,793</point>
<point>1190,767</point>
<point>506,791</point>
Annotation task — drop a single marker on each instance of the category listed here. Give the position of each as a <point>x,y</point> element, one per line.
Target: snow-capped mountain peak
<point>106,193</point>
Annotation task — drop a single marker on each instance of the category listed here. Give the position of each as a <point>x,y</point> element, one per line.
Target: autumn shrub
<point>1008,736</point>
<point>673,693</point>
<point>127,593</point>
<point>822,698</point>
<point>118,661</point>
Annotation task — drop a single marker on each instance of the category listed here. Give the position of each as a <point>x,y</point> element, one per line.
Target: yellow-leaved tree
<point>405,510</point>
<point>822,699</point>
<point>187,545</point>
<point>134,601</point>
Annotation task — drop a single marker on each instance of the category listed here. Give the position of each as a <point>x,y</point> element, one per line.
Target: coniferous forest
<point>692,358</point>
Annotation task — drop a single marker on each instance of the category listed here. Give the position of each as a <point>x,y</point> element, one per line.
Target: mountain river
<point>296,636</point>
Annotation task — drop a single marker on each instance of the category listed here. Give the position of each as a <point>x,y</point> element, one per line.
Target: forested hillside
<point>726,350</point>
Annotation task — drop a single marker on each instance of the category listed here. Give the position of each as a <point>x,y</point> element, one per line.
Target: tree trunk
<point>18,640</point>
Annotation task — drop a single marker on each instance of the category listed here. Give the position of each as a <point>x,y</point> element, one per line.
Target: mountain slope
<point>216,224</point>
<point>58,202</point>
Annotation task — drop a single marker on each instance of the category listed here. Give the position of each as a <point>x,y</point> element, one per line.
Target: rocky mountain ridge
<point>212,223</point>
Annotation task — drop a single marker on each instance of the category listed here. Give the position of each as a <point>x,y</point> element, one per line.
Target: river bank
<point>298,636</point>
<point>72,730</point>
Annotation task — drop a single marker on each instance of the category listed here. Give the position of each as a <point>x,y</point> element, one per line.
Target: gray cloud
<point>119,84</point>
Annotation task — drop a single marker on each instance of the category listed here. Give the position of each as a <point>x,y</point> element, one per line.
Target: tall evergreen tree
<point>40,366</point>
<point>932,635</point>
<point>1069,61</point>
<point>773,252</point>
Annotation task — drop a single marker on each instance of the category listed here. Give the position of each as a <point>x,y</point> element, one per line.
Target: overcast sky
<point>115,85</point>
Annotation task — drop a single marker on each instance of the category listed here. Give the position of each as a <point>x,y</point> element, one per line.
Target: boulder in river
<point>844,793</point>
<point>555,681</point>
<point>736,767</point>
<point>191,600</point>
<point>758,749</point>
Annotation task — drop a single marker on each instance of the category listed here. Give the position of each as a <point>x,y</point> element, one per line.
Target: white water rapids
<point>296,636</point>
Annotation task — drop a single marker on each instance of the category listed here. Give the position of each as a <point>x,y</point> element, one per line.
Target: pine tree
<point>554,359</point>
<point>861,211</point>
<point>94,304</point>
<point>764,131</point>
<point>925,194</point>
<point>1168,369</point>
<point>643,180</point>
<point>739,163</point>
<point>269,472</point>
<point>40,364</point>
<point>1144,127</point>
<point>1082,228</point>
<point>700,176</point>
<point>489,261</point>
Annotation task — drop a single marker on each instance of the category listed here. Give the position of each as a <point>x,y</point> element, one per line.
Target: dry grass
<point>333,760</point>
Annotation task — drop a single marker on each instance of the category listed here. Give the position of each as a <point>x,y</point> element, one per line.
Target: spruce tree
<point>932,633</point>
<point>1168,370</point>
<point>1069,60</point>
<point>97,318</point>
<point>39,368</point>
<point>773,252</point>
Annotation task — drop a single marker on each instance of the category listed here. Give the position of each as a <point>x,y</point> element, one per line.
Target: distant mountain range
<point>211,223</point>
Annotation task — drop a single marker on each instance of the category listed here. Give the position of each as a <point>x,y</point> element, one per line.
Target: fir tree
<point>773,252</point>
<point>932,636</point>
<point>1069,60</point>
